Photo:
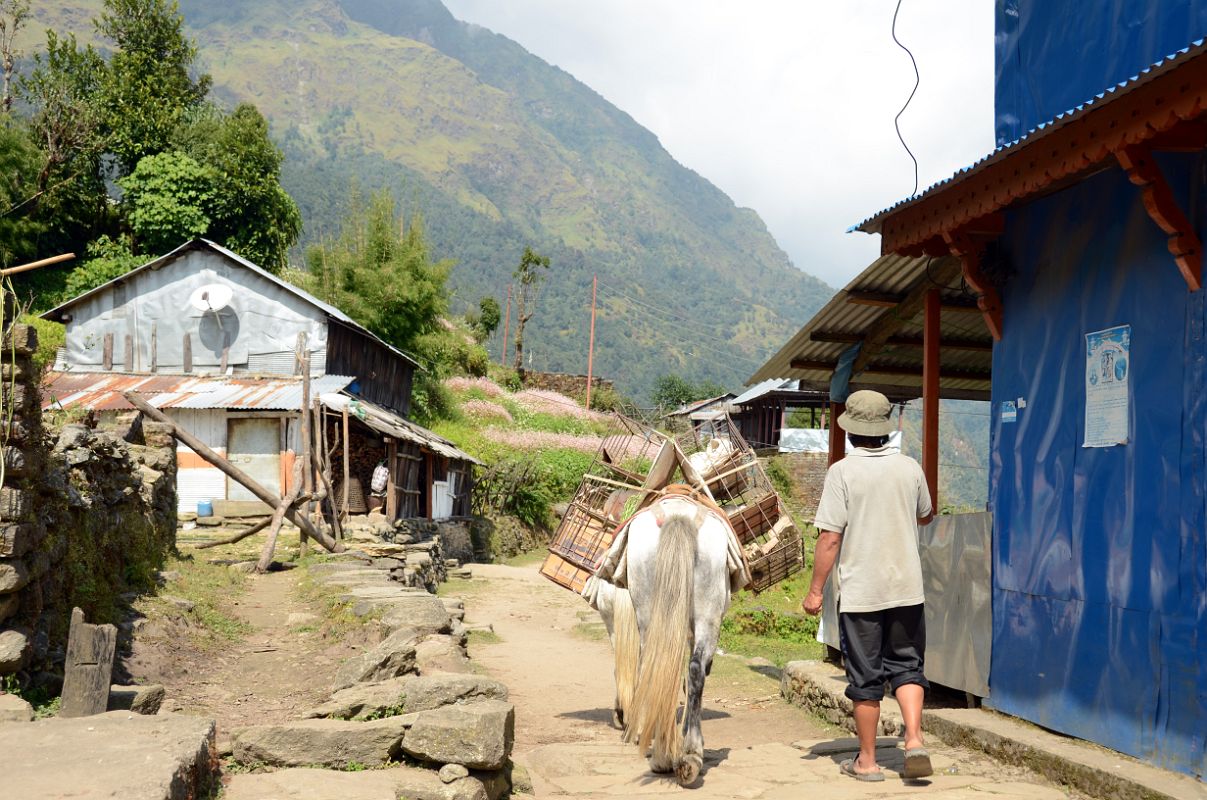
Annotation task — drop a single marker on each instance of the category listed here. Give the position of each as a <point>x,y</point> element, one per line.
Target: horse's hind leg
<point>689,766</point>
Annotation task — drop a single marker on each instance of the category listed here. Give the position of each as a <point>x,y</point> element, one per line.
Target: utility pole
<point>506,325</point>
<point>591,345</point>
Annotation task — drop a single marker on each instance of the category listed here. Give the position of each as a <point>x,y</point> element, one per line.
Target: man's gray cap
<point>867,414</point>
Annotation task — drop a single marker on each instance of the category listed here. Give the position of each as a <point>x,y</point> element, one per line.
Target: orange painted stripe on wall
<point>187,459</point>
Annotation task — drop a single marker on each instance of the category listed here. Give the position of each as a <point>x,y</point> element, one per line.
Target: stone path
<point>757,746</point>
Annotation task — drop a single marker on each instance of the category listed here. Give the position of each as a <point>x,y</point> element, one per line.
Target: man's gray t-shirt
<point>874,498</point>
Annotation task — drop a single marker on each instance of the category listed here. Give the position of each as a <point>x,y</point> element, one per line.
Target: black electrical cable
<point>917,83</point>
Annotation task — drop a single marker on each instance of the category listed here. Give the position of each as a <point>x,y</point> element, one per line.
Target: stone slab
<point>15,709</point>
<point>319,784</point>
<point>111,755</point>
<point>320,742</point>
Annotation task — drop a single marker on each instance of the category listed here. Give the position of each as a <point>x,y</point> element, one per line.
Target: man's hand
<point>812,603</point>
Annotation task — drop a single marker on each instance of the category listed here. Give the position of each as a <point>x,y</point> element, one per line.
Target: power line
<point>677,317</point>
<point>695,344</point>
<point>917,83</point>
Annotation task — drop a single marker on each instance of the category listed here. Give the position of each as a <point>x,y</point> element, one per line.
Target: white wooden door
<point>254,446</point>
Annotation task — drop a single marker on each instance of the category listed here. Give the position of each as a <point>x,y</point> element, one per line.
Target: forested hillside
<point>499,150</point>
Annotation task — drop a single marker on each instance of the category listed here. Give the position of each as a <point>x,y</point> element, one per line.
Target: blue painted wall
<point>1053,55</point>
<point>1100,555</point>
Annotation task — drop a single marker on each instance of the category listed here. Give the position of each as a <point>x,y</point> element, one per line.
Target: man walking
<point>871,505</point>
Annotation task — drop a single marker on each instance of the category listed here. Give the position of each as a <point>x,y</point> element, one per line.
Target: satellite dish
<point>211,297</point>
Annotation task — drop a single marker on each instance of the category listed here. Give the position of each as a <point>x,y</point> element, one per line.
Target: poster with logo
<point>1107,367</point>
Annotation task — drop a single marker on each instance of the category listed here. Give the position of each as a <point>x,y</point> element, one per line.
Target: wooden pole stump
<point>88,669</point>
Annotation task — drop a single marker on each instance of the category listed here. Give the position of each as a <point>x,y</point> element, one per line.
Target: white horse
<point>677,575</point>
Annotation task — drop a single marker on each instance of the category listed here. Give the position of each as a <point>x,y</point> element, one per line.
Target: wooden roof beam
<point>967,244</point>
<point>880,331</point>
<point>888,300</point>
<point>1164,210</point>
<point>896,372</point>
<point>947,343</point>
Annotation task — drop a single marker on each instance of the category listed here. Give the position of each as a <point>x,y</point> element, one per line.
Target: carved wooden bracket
<point>967,247</point>
<point>1159,201</point>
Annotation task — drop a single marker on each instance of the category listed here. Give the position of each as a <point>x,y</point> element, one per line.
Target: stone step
<point>384,784</point>
<point>116,754</point>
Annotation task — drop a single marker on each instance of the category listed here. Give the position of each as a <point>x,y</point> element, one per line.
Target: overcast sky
<point>786,105</point>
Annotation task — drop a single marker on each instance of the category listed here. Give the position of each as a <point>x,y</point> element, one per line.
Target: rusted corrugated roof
<point>102,391</point>
<point>388,423</point>
<point>889,276</point>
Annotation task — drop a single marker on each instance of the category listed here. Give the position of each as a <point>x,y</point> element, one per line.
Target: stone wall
<point>85,515</point>
<point>807,472</point>
<point>569,385</point>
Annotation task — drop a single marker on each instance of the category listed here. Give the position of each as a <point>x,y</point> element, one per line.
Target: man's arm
<point>824,556</point>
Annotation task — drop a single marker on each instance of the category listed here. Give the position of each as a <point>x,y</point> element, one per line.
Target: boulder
<point>321,742</point>
<point>453,772</point>
<point>384,784</point>
<point>395,656</point>
<point>15,709</point>
<point>14,651</point>
<point>427,692</point>
<point>476,735</point>
<point>139,699</point>
<point>13,576</point>
<point>365,701</point>
<point>423,612</point>
<point>440,654</point>
<point>9,603</point>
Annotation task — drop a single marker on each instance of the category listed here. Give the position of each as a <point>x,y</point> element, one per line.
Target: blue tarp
<point>1055,54</point>
<point>1100,555</point>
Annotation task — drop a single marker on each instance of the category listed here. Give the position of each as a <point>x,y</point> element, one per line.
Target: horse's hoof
<point>618,718</point>
<point>689,769</point>
<point>661,767</point>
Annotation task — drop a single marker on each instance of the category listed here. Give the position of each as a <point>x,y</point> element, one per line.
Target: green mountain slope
<point>499,150</point>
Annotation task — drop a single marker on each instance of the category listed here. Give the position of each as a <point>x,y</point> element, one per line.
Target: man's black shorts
<point>880,647</point>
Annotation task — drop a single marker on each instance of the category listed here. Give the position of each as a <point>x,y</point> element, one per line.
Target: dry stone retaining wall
<point>84,515</point>
<point>808,474</point>
<point>569,385</point>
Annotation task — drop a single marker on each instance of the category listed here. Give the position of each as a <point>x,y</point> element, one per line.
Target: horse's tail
<point>627,642</point>
<point>665,647</point>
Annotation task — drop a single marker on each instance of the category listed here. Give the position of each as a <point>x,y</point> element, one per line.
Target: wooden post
<point>506,327</point>
<point>591,344</point>
<point>154,347</point>
<point>930,396</point>
<point>308,474</point>
<point>322,468</point>
<point>88,669</point>
<point>107,352</point>
<point>226,349</point>
<point>391,483</point>
<point>253,486</point>
<point>278,516</point>
<point>129,354</point>
<point>838,439</point>
<point>347,467</point>
<point>188,353</point>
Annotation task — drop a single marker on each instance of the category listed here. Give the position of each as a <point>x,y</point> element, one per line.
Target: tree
<point>486,321</point>
<point>530,277</point>
<point>104,260</point>
<point>168,199</point>
<point>672,391</point>
<point>148,91</point>
<point>12,16</point>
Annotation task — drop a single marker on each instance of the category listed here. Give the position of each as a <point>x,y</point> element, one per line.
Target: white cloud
<point>786,105</point>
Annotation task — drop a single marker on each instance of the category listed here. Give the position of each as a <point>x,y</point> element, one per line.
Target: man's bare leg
<point>909,697</point>
<point>867,723</point>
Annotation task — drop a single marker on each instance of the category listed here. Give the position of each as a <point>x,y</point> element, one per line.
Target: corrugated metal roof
<point>893,275</point>
<point>328,309</point>
<point>388,423</point>
<point>103,391</point>
<point>1173,60</point>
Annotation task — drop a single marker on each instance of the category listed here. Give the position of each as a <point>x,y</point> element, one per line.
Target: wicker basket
<point>781,560</point>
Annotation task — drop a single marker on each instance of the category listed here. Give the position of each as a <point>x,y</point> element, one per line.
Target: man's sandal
<point>848,768</point>
<point>917,764</point>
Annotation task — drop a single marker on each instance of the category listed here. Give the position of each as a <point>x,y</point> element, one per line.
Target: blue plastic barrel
<point>205,508</point>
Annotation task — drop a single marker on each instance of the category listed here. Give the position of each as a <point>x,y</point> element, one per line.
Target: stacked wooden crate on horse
<point>633,468</point>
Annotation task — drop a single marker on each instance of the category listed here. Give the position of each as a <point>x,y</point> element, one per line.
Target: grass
<point>484,637</point>
<point>210,588</point>
<point>532,558</point>
<point>772,625</point>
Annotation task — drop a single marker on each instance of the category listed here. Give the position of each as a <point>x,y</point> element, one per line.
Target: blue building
<point>1080,238</point>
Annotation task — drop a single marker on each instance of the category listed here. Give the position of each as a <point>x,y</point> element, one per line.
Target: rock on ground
<point>14,651</point>
<point>476,735</point>
<point>116,754</point>
<point>15,709</point>
<point>407,694</point>
<point>385,784</point>
<point>139,699</point>
<point>423,612</point>
<point>321,742</point>
<point>395,656</point>
<point>440,654</point>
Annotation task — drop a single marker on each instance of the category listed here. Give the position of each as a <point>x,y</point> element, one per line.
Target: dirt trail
<point>556,662</point>
<point>275,673</point>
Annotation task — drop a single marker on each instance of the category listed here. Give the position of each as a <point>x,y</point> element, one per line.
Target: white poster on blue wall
<point>1107,366</point>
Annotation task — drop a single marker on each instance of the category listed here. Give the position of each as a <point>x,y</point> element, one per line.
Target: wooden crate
<point>565,574</point>
<point>756,518</point>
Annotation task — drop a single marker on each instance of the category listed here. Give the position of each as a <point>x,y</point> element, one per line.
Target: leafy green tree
<point>104,260</point>
<point>672,391</point>
<point>148,90</point>
<point>486,321</point>
<point>530,277</point>
<point>168,198</point>
<point>19,165</point>
<point>249,211</point>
